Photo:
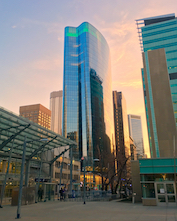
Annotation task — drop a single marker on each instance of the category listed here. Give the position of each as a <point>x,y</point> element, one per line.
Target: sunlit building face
<point>135,131</point>
<point>87,92</point>
<point>56,100</point>
<point>158,37</point>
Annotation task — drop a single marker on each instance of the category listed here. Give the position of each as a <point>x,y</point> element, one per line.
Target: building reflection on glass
<point>87,93</point>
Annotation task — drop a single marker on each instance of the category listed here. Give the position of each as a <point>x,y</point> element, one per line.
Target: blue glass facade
<point>87,92</point>
<point>157,33</point>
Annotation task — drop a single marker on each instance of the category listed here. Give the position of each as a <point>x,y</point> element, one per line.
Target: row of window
<point>67,176</point>
<point>66,166</point>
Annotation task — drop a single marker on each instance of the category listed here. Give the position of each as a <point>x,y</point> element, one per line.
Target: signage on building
<point>42,180</point>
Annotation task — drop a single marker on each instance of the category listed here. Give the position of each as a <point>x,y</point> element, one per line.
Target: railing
<point>92,195</point>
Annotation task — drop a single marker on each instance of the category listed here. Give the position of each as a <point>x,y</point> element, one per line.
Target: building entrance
<point>165,192</point>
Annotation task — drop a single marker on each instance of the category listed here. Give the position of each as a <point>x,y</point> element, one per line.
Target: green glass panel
<point>170,188</point>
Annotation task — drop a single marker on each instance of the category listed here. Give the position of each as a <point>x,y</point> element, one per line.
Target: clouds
<point>33,41</point>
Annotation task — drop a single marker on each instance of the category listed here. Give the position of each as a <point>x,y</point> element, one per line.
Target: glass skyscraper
<point>87,92</point>
<point>158,39</point>
<point>135,131</point>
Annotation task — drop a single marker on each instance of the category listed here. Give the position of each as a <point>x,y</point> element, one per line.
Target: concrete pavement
<point>91,211</point>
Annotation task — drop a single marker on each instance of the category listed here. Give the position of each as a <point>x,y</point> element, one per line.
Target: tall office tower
<point>87,92</point>
<point>135,131</point>
<point>121,125</point>
<point>37,113</point>
<point>56,104</point>
<point>158,36</point>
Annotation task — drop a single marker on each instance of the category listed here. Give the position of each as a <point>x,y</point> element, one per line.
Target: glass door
<point>165,192</point>
<point>170,190</point>
<point>160,193</point>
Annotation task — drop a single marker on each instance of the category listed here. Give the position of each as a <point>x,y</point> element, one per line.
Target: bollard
<point>133,197</point>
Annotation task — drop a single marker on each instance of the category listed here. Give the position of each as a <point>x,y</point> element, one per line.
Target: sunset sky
<point>32,44</point>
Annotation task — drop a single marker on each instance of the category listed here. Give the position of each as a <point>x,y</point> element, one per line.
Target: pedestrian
<point>64,193</point>
<point>40,194</point>
<point>61,194</point>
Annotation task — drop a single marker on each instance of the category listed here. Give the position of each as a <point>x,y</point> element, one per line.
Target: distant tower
<point>37,113</point>
<point>56,104</point>
<point>135,130</point>
<point>121,125</point>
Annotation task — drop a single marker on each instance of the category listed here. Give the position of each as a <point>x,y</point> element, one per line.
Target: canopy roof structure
<point>15,129</point>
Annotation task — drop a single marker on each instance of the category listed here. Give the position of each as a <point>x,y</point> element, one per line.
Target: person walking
<point>61,194</point>
<point>40,194</point>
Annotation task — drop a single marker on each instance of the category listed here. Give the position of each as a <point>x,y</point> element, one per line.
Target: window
<point>76,167</point>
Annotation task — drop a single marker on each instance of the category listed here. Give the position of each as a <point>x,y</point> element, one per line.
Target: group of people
<point>62,193</point>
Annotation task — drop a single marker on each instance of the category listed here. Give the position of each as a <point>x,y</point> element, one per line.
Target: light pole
<point>71,169</point>
<point>61,169</point>
<point>94,160</point>
<point>21,175</point>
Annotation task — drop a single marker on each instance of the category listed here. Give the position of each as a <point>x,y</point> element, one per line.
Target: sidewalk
<point>91,211</point>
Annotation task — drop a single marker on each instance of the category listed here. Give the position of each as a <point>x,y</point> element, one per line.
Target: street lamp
<point>94,160</point>
<point>21,174</point>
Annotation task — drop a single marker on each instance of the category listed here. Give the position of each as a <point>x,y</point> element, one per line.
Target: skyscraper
<point>135,131</point>
<point>158,37</point>
<point>87,92</point>
<point>121,125</point>
<point>56,104</point>
<point>122,139</point>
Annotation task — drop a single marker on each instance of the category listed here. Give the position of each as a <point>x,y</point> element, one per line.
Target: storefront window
<point>148,190</point>
<point>157,177</point>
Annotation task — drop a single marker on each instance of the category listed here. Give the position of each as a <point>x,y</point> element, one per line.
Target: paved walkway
<point>91,211</point>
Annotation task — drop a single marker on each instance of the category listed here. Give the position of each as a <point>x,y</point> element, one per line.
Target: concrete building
<point>37,113</point>
<point>65,177</point>
<point>154,181</point>
<point>56,105</point>
<point>135,131</point>
<point>159,74</point>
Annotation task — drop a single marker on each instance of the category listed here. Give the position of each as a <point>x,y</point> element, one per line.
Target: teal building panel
<point>156,166</point>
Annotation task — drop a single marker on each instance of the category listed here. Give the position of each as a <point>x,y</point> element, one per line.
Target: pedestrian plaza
<point>91,211</point>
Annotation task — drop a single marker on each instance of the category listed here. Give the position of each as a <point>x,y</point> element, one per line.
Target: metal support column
<point>84,180</point>
<point>5,179</point>
<point>27,173</point>
<point>50,174</point>
<point>71,169</point>
<point>36,197</point>
<point>21,180</point>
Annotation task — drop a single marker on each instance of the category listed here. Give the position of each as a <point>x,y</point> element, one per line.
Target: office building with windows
<point>135,131</point>
<point>37,113</point>
<point>122,139</point>
<point>56,104</point>
<point>158,39</point>
<point>121,125</point>
<point>87,93</point>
